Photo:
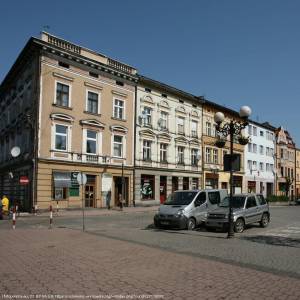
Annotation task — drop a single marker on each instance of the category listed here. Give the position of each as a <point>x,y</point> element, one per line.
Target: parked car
<point>297,202</point>
<point>188,209</point>
<point>247,209</point>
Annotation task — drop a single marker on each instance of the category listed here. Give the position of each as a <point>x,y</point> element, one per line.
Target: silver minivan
<point>188,209</point>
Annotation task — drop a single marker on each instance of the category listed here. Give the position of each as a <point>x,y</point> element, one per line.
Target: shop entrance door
<point>163,189</point>
<point>118,190</point>
<point>89,195</point>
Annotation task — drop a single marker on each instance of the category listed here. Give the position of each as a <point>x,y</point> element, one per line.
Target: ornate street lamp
<point>232,129</point>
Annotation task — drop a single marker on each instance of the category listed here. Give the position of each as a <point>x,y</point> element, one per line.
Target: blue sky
<point>233,52</point>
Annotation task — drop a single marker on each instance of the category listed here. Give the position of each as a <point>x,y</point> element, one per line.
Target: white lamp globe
<point>219,117</point>
<point>245,112</point>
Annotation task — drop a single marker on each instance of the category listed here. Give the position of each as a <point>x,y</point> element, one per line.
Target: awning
<point>62,179</point>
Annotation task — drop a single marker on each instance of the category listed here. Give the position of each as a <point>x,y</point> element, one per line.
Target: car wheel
<point>264,220</point>
<point>191,224</point>
<point>239,226</point>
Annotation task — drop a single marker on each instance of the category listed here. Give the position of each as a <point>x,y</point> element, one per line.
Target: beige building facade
<point>297,164</point>
<point>212,156</point>
<point>81,121</point>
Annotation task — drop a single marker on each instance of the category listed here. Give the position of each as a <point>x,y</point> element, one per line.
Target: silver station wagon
<point>247,209</point>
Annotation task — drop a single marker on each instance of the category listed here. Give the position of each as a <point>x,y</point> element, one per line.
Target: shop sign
<point>74,182</point>
<point>24,180</point>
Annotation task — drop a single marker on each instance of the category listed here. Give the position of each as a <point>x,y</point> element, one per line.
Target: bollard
<point>35,209</point>
<point>51,216</point>
<point>14,217</point>
<point>57,206</point>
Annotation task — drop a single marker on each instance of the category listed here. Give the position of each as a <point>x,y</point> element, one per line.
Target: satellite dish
<point>15,151</point>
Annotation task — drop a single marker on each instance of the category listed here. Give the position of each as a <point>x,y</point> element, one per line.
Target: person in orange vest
<point>5,205</point>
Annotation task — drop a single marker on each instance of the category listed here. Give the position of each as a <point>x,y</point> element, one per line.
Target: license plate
<point>164,222</point>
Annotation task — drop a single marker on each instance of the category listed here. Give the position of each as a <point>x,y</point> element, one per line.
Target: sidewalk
<point>69,264</point>
<point>97,211</point>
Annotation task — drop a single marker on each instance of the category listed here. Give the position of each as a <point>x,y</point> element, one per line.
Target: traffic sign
<point>81,178</point>
<point>24,180</point>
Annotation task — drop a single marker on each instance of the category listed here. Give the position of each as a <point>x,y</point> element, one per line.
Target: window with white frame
<point>62,94</point>
<point>163,120</point>
<point>92,105</point>
<point>163,152</point>
<point>208,155</point>
<point>146,150</point>
<point>180,125</point>
<point>254,148</point>
<point>249,147</point>
<point>249,164</point>
<point>267,167</point>
<point>61,137</point>
<point>261,133</point>
<point>261,149</point>
<point>148,116</point>
<point>119,109</point>
<point>254,165</point>
<point>180,155</point>
<point>261,166</point>
<point>91,142</point>
<point>254,131</point>
<point>250,129</point>
<point>215,156</point>
<point>194,128</point>
<point>194,157</point>
<point>267,151</point>
<point>208,128</point>
<point>118,145</point>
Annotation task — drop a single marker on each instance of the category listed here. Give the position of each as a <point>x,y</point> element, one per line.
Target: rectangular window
<point>215,156</point>
<point>146,150</point>
<point>61,137</point>
<point>92,103</point>
<point>180,125</point>
<point>181,155</point>
<point>194,127</point>
<point>91,142</point>
<point>267,167</point>
<point>261,166</point>
<point>163,152</point>
<point>249,147</point>
<point>254,131</point>
<point>119,109</point>
<point>254,165</point>
<point>250,129</point>
<point>254,148</point>
<point>62,94</point>
<point>194,157</point>
<point>148,116</point>
<point>59,193</point>
<point>261,150</point>
<point>261,133</point>
<point>118,145</point>
<point>163,120</point>
<point>208,128</point>
<point>208,155</point>
<point>249,164</point>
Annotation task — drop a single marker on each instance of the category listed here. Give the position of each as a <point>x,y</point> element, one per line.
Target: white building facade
<point>168,141</point>
<point>260,160</point>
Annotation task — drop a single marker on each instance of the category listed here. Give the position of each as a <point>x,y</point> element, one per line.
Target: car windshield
<point>237,202</point>
<point>180,198</point>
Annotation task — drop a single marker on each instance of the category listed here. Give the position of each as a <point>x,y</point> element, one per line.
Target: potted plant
<point>243,140</point>
<point>220,142</point>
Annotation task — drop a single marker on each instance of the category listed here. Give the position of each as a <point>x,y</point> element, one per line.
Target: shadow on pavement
<point>274,240</point>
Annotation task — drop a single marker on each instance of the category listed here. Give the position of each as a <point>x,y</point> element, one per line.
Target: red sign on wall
<point>24,180</point>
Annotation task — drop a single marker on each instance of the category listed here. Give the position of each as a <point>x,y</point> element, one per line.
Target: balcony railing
<point>119,66</point>
<point>63,44</point>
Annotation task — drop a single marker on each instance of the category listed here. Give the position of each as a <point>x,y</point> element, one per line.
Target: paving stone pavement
<point>48,264</point>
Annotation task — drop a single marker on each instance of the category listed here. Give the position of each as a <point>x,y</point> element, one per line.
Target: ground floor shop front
<point>262,186</point>
<point>221,180</point>
<point>105,185</point>
<point>154,186</point>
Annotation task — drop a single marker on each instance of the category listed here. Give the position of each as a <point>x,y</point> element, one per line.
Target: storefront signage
<point>74,182</point>
<point>24,180</point>
<point>106,182</point>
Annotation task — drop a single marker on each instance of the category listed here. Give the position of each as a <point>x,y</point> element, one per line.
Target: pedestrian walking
<point>120,201</point>
<point>108,199</point>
